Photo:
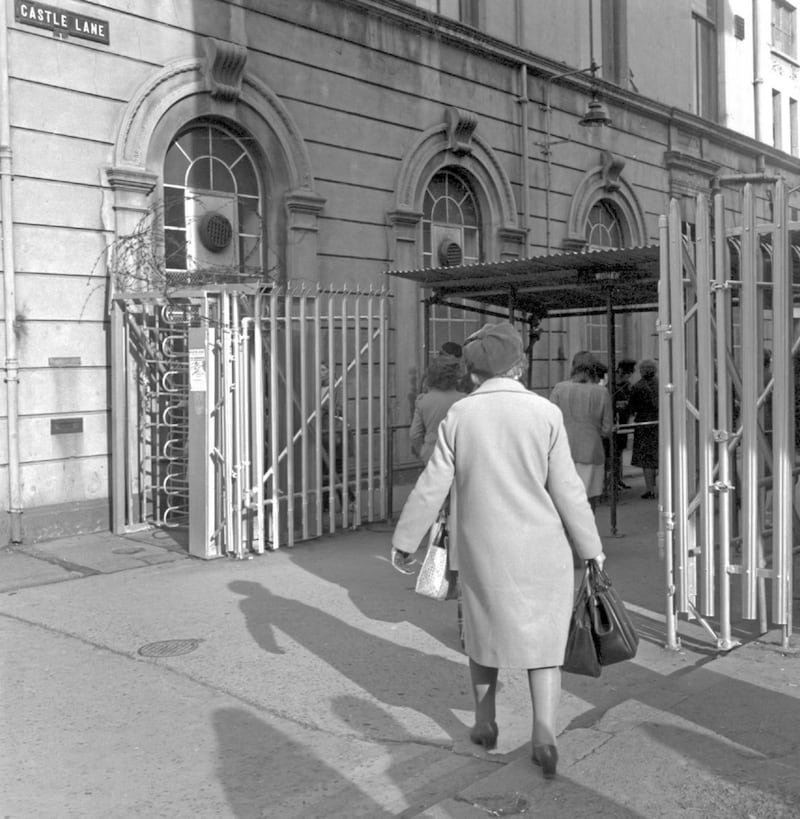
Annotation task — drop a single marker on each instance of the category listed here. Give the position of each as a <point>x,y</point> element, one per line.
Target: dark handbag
<point>436,579</point>
<point>581,654</point>
<point>614,635</point>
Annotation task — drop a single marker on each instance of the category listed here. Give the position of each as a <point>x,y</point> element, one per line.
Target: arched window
<point>451,236</point>
<point>451,215</point>
<point>604,227</point>
<point>604,230</point>
<point>212,205</point>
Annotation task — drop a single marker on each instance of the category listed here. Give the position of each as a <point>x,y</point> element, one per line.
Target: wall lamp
<point>595,116</point>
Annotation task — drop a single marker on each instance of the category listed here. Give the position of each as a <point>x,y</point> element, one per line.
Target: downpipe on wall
<point>11,364</point>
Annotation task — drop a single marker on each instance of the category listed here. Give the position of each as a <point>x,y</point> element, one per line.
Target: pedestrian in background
<point>443,378</point>
<point>586,408</point>
<point>622,393</point>
<point>517,503</point>
<point>643,408</point>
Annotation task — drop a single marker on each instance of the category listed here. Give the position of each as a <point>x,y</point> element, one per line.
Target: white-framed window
<point>605,230</point>
<point>784,27</point>
<point>604,227</point>
<point>451,216</point>
<point>212,204</point>
<point>706,93</point>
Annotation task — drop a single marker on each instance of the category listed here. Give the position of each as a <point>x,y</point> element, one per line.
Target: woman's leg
<point>649,479</point>
<point>545,687</point>
<point>484,689</point>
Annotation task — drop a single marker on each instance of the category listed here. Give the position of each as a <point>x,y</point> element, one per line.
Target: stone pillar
<point>408,355</point>
<point>512,243</point>
<point>302,209</point>
<point>132,203</point>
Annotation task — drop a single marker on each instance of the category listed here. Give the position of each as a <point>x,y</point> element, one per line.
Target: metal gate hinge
<point>726,285</point>
<point>721,435</point>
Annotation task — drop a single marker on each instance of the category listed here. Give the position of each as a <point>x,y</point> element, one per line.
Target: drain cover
<point>169,648</point>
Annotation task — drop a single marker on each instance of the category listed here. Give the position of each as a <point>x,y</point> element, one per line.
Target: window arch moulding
<point>217,87</point>
<point>454,143</point>
<point>604,181</point>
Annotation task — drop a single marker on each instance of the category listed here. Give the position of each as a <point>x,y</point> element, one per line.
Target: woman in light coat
<point>586,407</point>
<point>516,503</point>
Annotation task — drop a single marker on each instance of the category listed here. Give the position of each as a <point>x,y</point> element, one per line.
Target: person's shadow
<point>392,674</point>
<point>379,592</point>
<point>264,772</point>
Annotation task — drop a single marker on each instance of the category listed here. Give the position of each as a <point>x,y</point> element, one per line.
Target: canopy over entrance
<point>597,281</point>
<point>576,283</point>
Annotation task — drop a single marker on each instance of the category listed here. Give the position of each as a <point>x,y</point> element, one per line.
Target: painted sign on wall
<point>61,23</point>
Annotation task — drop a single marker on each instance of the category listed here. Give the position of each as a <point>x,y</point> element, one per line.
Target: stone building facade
<point>339,140</point>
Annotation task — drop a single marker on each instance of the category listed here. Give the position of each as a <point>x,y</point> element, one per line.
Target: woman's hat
<point>493,350</point>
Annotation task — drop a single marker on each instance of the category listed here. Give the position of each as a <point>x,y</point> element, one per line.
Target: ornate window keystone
<point>611,168</point>
<point>460,127</point>
<point>224,69</point>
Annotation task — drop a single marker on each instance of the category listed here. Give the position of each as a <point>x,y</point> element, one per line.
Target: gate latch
<point>722,486</point>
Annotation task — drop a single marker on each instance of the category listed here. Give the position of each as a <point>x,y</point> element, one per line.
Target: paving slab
<point>19,570</point>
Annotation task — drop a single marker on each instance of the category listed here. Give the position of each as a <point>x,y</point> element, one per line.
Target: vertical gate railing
<point>727,443</point>
<point>254,418</point>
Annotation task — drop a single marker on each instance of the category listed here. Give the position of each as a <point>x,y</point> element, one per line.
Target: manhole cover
<point>169,648</point>
<point>128,550</point>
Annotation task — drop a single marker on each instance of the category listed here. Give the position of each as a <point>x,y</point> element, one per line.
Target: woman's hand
<point>600,560</point>
<point>402,561</point>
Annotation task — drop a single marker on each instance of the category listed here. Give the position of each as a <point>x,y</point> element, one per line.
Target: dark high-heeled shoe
<point>485,735</point>
<point>547,757</point>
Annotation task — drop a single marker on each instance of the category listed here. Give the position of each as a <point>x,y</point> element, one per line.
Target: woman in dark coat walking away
<point>643,408</point>
<point>443,378</point>
<point>516,503</point>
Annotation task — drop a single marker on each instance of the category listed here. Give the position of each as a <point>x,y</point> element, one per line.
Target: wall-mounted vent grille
<point>215,232</point>
<point>450,254</point>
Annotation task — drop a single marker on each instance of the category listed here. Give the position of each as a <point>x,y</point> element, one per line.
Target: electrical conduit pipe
<point>11,365</point>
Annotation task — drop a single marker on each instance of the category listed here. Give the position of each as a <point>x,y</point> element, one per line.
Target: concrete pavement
<point>313,682</point>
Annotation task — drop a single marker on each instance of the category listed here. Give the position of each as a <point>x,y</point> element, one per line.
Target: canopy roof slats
<point>549,284</point>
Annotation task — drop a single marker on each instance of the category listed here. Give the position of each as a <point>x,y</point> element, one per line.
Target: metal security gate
<point>729,296</point>
<point>252,417</point>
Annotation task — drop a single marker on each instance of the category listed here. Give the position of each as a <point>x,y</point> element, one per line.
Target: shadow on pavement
<point>393,674</point>
<point>247,749</point>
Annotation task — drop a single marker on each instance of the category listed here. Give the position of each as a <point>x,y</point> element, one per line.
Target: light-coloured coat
<point>516,504</point>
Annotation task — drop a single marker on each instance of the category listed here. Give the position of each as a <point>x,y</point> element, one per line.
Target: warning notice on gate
<point>197,370</point>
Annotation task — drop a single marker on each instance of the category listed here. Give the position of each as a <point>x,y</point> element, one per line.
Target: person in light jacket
<point>586,408</point>
<point>516,504</point>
